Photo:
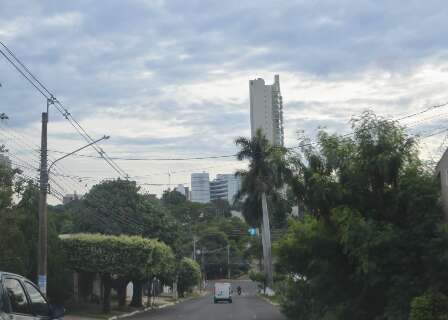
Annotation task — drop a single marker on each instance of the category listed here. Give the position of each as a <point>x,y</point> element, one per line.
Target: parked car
<point>223,292</point>
<point>20,299</point>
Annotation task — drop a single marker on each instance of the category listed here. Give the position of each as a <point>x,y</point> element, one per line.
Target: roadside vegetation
<point>119,235</point>
<point>372,243</point>
<point>369,240</point>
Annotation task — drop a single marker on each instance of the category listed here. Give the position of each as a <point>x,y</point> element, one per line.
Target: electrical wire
<point>20,139</point>
<point>150,159</point>
<point>51,98</point>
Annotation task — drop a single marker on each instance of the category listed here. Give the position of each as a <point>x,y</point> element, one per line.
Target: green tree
<point>219,208</point>
<point>266,174</point>
<point>110,207</point>
<point>172,197</point>
<point>371,239</point>
<point>213,243</point>
<point>189,275</point>
<point>431,305</point>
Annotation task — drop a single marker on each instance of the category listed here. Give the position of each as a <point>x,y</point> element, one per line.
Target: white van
<point>223,292</point>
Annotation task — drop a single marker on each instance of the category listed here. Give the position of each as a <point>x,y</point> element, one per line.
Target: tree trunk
<point>266,240</point>
<point>121,292</point>
<point>107,283</point>
<point>175,295</point>
<point>137,294</point>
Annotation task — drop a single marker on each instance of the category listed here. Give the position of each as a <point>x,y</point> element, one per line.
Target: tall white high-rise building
<point>200,187</point>
<point>266,109</point>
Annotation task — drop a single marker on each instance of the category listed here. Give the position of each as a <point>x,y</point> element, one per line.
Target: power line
<point>55,102</point>
<point>150,159</point>
<point>20,139</point>
<point>422,111</point>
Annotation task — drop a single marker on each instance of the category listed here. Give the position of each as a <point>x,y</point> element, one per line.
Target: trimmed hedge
<point>125,256</point>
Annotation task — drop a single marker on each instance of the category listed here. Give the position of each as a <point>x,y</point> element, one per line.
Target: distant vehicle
<point>20,299</point>
<point>223,292</point>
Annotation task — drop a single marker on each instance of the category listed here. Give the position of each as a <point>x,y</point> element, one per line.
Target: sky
<point>170,78</point>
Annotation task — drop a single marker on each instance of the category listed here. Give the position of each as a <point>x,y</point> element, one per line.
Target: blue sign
<point>42,282</point>
<point>253,231</point>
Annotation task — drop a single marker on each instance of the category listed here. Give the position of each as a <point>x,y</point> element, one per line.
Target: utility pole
<point>203,263</point>
<point>43,219</point>
<point>42,251</point>
<point>194,248</point>
<point>228,262</point>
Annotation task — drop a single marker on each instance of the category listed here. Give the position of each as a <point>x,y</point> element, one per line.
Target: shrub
<point>189,275</point>
<point>431,305</point>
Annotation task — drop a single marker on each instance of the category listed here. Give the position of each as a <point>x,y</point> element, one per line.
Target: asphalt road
<point>245,307</point>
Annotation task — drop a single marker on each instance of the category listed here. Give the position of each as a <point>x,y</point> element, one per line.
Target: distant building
<point>266,109</point>
<point>70,197</point>
<point>180,188</point>
<point>218,189</point>
<point>200,187</point>
<point>185,191</point>
<point>5,161</point>
<point>442,174</point>
<point>225,186</point>
<point>233,185</point>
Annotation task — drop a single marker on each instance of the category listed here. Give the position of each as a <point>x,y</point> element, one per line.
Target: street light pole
<point>43,190</point>
<point>228,262</point>
<point>194,248</point>
<point>75,151</point>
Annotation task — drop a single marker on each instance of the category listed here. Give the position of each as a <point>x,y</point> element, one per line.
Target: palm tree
<point>265,176</point>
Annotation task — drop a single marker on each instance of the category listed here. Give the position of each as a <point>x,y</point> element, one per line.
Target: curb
<point>275,304</point>
<point>134,313</point>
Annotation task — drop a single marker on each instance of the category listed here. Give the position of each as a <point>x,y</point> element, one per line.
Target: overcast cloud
<point>170,78</point>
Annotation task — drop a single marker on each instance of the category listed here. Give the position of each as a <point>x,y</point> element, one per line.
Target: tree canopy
<point>371,239</point>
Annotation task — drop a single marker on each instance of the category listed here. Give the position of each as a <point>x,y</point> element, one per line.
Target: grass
<point>275,299</point>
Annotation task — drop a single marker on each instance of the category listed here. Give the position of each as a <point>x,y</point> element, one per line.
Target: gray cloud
<point>136,61</point>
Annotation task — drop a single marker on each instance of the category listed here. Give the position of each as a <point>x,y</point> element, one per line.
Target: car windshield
<point>168,159</point>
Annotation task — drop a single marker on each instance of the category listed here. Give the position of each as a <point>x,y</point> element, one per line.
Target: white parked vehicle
<point>223,292</point>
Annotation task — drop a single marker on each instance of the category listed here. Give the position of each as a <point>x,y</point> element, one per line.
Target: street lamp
<point>75,151</point>
<point>43,217</point>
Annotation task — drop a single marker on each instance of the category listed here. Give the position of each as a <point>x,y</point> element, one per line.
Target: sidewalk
<point>95,314</point>
<point>160,302</point>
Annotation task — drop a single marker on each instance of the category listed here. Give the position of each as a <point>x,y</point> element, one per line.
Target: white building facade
<point>266,109</point>
<point>218,189</point>
<point>233,185</point>
<point>225,186</point>
<point>200,187</point>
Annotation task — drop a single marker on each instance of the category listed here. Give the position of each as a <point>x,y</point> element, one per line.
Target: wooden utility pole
<point>194,248</point>
<point>228,262</point>
<point>43,219</point>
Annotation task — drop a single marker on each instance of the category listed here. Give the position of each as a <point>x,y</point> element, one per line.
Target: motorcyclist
<point>238,289</point>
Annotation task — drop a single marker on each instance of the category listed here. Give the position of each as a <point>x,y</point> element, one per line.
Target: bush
<point>258,277</point>
<point>430,306</point>
<point>189,275</point>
